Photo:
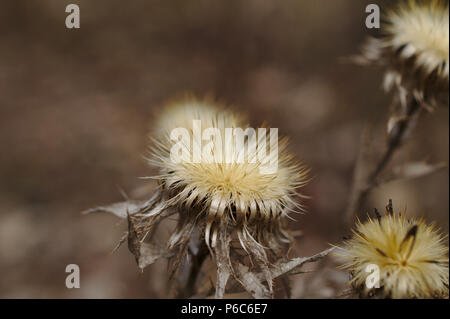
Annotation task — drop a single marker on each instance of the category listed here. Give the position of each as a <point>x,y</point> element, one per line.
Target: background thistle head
<point>413,47</point>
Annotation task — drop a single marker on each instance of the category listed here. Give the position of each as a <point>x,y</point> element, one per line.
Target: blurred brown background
<point>76,107</point>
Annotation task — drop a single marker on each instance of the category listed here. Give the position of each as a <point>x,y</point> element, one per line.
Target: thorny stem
<point>194,271</point>
<point>394,143</point>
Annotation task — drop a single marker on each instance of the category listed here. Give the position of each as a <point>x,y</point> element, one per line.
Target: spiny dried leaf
<point>145,253</point>
<point>182,234</point>
<point>122,209</point>
<point>150,253</point>
<point>178,245</point>
<point>257,251</point>
<point>119,209</point>
<point>121,241</point>
<point>252,282</point>
<point>134,243</point>
<point>293,266</point>
<point>413,170</point>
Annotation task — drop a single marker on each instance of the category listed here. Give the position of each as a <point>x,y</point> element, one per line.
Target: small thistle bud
<point>406,257</point>
<point>414,49</point>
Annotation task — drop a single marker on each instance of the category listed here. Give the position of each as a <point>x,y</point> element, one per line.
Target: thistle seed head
<point>421,31</point>
<point>231,191</point>
<point>414,49</point>
<point>226,190</point>
<point>411,256</point>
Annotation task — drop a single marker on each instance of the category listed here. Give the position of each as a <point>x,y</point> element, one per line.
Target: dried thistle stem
<point>395,140</point>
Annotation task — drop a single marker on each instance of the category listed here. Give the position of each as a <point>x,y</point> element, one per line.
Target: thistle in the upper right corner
<point>413,48</point>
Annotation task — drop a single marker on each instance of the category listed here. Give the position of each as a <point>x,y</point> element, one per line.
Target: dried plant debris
<point>412,49</point>
<point>257,281</point>
<point>240,211</point>
<point>404,258</point>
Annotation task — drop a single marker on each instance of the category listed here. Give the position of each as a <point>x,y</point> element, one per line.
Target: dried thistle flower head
<point>228,190</point>
<point>231,188</point>
<point>414,47</point>
<point>410,255</point>
<point>421,30</point>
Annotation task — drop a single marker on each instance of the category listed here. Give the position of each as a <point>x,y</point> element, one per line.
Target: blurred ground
<point>76,106</point>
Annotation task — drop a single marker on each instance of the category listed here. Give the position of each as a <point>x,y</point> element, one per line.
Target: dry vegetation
<point>77,107</point>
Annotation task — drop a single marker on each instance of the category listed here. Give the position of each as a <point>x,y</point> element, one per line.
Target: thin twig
<point>395,139</point>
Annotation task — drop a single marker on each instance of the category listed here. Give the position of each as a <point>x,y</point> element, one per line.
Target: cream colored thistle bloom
<point>414,48</point>
<point>235,193</point>
<point>411,256</point>
<point>232,201</point>
<point>421,31</point>
<point>227,194</point>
